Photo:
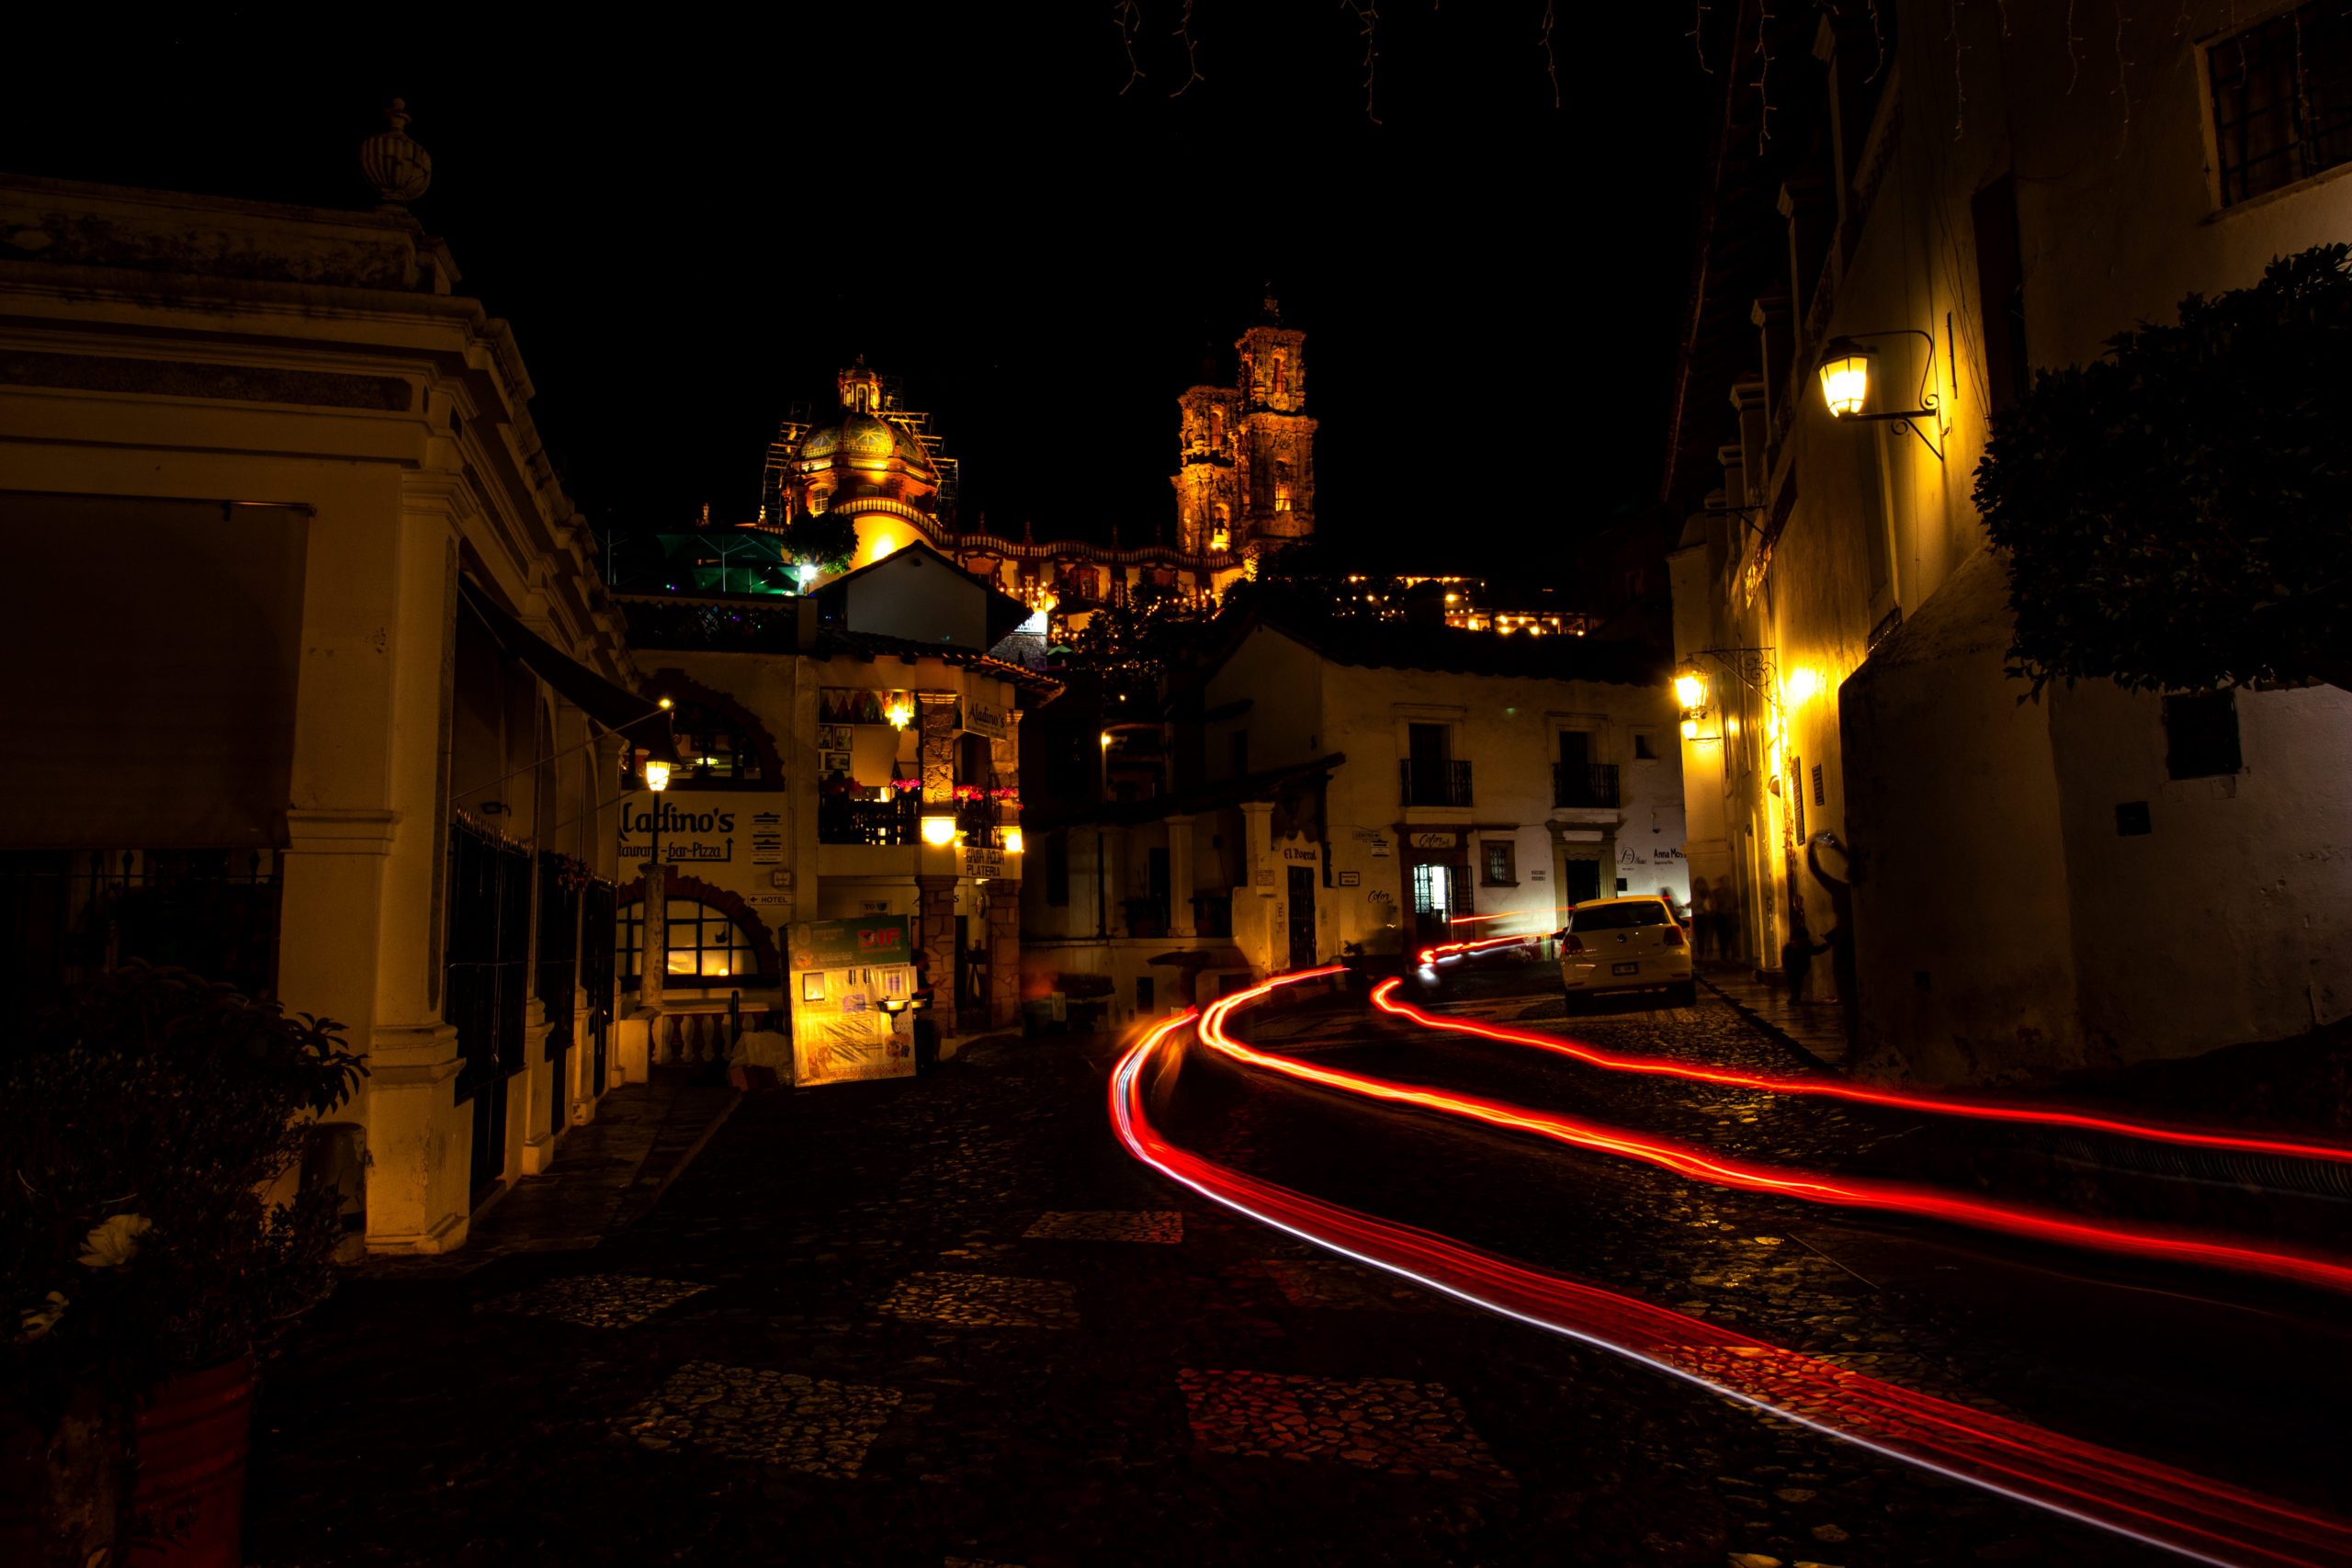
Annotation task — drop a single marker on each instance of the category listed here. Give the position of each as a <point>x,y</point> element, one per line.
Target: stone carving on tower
<point>1245,480</point>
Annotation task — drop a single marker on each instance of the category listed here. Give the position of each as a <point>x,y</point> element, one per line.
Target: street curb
<point>1771,1031</point>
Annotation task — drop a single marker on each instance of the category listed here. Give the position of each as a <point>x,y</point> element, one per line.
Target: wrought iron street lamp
<point>1845,371</point>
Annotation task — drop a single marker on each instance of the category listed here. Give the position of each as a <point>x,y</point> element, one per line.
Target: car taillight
<point>1674,936</point>
<point>1569,943</point>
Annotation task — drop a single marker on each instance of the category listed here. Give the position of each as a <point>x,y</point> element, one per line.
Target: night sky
<point>693,222</point>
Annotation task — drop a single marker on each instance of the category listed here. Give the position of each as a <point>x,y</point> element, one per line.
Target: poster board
<point>840,974</point>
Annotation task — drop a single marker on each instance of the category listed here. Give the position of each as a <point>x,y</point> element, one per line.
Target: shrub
<point>145,1120</point>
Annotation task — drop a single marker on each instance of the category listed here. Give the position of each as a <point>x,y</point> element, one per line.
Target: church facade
<point>1244,486</point>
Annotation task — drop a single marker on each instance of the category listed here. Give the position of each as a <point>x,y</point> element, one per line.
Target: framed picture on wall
<point>835,761</point>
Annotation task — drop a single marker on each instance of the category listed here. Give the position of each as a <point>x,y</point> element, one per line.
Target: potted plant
<point>141,1263</point>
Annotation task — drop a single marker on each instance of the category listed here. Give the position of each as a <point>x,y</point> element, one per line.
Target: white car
<point>1626,944</point>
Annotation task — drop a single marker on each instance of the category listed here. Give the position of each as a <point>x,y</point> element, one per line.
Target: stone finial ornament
<point>398,169</point>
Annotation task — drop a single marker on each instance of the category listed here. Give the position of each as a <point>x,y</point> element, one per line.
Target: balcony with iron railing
<point>979,823</point>
<point>1433,780</point>
<point>1589,785</point>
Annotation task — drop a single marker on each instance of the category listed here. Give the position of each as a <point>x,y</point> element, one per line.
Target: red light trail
<point>1383,996</point>
<point>1455,949</point>
<point>1704,1165</point>
<point>2156,1504</point>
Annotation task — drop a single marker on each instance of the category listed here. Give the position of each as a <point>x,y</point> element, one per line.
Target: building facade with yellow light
<point>2018,888</point>
<point>1245,485</point>
<point>1326,791</point>
<point>848,755</point>
<point>331,684</point>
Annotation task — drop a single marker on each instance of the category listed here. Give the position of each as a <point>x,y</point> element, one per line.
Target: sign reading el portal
<point>851,984</point>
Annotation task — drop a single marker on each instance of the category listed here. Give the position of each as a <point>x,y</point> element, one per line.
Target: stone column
<point>653,952</point>
<point>1254,925</point>
<point>938,720</point>
<point>1004,953</point>
<point>1180,878</point>
<point>935,933</point>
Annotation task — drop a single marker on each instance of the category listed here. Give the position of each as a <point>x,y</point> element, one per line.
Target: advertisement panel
<point>845,977</point>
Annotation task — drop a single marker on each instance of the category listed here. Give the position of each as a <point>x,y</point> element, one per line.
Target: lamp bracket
<point>1755,668</point>
<point>1930,406</point>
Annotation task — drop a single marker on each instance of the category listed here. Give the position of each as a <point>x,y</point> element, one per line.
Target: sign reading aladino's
<point>732,839</point>
<point>851,982</point>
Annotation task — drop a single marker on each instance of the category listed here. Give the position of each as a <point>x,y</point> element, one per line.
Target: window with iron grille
<point>2282,99</point>
<point>706,945</point>
<point>1499,858</point>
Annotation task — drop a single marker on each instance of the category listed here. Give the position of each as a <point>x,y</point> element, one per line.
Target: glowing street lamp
<point>1012,840</point>
<point>1690,689</point>
<point>939,832</point>
<point>657,775</point>
<point>1846,378</point>
<point>1845,371</point>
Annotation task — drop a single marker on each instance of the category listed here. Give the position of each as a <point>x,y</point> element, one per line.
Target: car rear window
<point>1617,916</point>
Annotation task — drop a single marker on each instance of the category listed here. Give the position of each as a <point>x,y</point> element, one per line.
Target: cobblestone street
<point>946,1320</point>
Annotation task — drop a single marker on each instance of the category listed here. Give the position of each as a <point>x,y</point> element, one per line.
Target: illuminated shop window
<point>705,943</point>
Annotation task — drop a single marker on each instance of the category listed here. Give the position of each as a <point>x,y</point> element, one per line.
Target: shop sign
<point>1433,840</point>
<point>1310,857</point>
<point>691,832</point>
<point>840,944</point>
<point>985,719</point>
<point>979,859</point>
<point>1350,878</point>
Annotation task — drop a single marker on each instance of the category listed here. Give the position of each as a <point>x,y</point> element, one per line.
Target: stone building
<point>1315,789</point>
<point>853,752</point>
<point>2098,877</point>
<point>328,686</point>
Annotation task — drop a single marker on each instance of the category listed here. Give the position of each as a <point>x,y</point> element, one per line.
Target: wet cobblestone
<point>596,1300</point>
<point>1388,1423</point>
<point>889,1357</point>
<point>1163,1226</point>
<point>983,1301</point>
<point>810,1424</point>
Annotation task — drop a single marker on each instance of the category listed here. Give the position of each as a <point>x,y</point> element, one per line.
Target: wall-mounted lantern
<point>1845,373</point>
<point>939,832</point>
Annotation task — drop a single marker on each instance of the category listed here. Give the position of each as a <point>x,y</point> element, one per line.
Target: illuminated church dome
<point>855,435</point>
<point>860,461</point>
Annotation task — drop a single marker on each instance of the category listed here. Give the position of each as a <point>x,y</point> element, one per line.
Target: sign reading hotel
<point>844,975</point>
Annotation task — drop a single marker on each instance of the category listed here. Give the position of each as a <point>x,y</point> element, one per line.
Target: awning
<point>645,724</point>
